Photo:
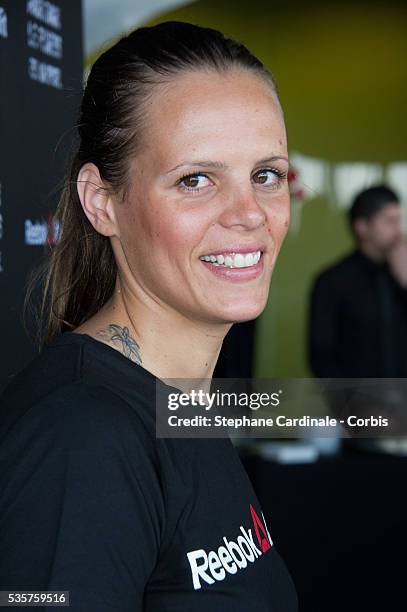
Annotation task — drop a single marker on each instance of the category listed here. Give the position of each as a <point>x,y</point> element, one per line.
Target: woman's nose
<point>242,209</point>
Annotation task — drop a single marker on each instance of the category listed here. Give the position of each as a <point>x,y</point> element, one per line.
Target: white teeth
<point>248,259</point>
<point>239,260</point>
<point>236,260</point>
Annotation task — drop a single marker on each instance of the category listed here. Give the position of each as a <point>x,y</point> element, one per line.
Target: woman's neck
<point>160,339</point>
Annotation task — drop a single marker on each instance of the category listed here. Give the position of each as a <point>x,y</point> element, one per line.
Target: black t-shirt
<point>92,502</point>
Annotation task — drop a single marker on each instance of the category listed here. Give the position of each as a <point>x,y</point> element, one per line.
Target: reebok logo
<point>212,566</point>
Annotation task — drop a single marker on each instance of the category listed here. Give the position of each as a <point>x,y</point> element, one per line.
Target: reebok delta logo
<point>208,567</point>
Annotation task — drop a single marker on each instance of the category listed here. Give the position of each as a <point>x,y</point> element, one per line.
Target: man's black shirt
<point>92,502</point>
<point>358,321</point>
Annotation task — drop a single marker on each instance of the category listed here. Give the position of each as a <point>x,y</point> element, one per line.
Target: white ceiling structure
<point>104,19</point>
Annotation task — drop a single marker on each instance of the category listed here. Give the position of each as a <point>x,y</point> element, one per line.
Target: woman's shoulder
<point>79,470</point>
<point>84,384</point>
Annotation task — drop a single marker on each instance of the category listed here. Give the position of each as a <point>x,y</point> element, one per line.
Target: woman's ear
<point>96,202</point>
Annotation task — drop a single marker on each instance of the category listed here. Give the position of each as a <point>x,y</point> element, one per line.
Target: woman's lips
<point>236,274</point>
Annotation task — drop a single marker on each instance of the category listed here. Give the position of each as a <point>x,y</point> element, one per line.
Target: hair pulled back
<point>78,275</point>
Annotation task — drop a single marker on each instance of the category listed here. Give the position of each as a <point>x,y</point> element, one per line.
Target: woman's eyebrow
<point>222,165</point>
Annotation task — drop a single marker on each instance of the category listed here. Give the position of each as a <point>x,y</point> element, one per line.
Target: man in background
<point>358,306</point>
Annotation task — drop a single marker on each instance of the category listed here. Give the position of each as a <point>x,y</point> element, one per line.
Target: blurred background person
<point>358,306</point>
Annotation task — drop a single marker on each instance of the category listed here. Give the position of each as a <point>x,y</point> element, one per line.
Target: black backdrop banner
<point>41,71</point>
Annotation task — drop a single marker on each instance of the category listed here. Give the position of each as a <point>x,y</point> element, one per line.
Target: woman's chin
<point>240,313</point>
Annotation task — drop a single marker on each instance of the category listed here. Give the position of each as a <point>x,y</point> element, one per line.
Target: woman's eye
<point>192,182</point>
<point>270,177</point>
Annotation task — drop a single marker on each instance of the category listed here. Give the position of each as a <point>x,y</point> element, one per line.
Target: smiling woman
<point>175,208</point>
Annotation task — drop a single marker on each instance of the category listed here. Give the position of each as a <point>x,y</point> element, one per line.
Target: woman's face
<point>210,182</point>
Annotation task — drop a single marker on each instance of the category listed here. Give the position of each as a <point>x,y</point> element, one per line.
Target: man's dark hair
<point>370,201</point>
